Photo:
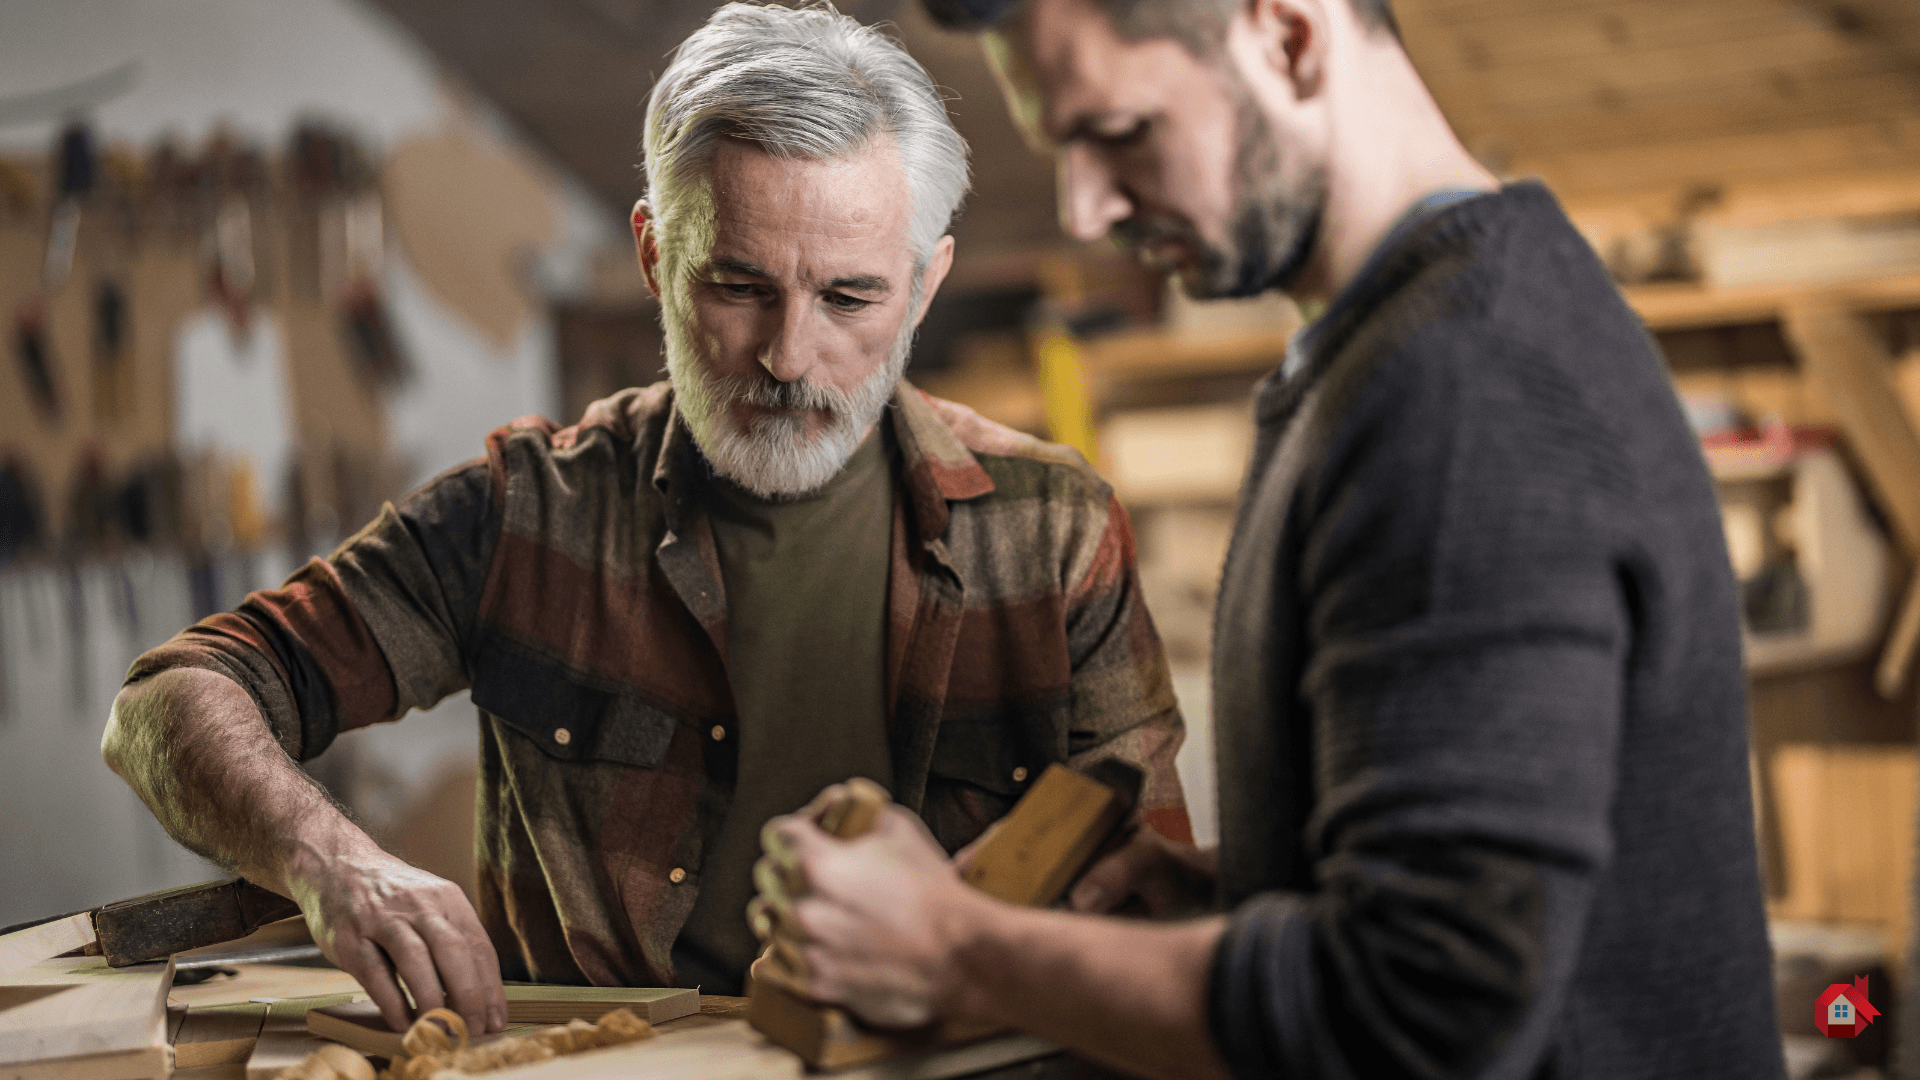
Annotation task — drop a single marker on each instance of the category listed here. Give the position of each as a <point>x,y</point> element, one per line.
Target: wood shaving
<point>436,1049</point>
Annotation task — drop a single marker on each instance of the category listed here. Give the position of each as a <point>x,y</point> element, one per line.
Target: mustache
<point>799,395</point>
<point>1141,231</point>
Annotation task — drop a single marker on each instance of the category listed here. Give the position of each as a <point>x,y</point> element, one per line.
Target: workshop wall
<point>332,270</point>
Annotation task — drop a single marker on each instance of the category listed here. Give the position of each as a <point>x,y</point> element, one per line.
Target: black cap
<point>970,14</point>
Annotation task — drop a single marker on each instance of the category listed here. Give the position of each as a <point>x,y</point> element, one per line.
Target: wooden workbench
<point>714,1044</point>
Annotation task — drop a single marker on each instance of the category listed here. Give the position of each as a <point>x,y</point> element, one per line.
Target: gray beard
<point>775,457</point>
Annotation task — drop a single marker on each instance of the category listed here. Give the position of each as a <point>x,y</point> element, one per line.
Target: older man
<point>1478,698</point>
<point>709,598</point>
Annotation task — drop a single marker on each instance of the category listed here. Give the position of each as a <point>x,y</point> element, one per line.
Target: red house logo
<point>1844,1011</point>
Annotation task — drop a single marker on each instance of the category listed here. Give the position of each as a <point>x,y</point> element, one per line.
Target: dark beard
<point>1273,229</point>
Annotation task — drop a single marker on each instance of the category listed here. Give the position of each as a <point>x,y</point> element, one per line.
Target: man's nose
<point>1091,202</point>
<point>789,353</point>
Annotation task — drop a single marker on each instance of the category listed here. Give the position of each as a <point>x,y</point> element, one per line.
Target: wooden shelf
<point>1692,307</point>
<point>1159,354</point>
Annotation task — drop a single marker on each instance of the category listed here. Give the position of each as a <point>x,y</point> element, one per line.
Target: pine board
<point>729,1051</point>
<point>24,948</point>
<point>80,1007</point>
<point>283,1037</point>
<point>218,1036</point>
<point>266,981</point>
<point>541,1004</point>
<point>149,1063</point>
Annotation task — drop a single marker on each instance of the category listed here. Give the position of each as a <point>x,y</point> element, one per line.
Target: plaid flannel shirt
<point>569,580</point>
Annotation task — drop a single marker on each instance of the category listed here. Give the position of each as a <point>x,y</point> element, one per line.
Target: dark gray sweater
<point>1479,708</point>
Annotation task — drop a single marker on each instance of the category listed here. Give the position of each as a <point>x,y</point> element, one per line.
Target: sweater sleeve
<point>376,629</point>
<point>1467,618</point>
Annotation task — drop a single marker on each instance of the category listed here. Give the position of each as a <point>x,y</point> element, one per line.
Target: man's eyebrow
<point>726,264</point>
<point>862,283</point>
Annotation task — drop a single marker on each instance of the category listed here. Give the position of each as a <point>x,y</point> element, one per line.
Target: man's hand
<point>376,916</point>
<point>1173,880</point>
<point>871,923</point>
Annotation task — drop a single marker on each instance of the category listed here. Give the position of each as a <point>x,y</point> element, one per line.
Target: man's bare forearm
<point>193,746</point>
<point>1128,993</point>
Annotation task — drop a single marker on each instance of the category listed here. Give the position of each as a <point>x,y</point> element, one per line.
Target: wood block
<point>218,1035</point>
<point>1031,857</point>
<point>284,1040</point>
<point>829,1038</point>
<point>539,1004</point>
<point>23,948</point>
<point>1044,843</point>
<point>79,1007</point>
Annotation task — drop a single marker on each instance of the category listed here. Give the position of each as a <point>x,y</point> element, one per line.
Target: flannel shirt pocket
<point>569,715</point>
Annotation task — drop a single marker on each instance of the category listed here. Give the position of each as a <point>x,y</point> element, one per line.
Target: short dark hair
<point>1200,25</point>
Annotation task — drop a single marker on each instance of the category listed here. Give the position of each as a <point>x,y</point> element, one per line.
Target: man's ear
<point>933,275</point>
<point>1290,40</point>
<point>646,244</point>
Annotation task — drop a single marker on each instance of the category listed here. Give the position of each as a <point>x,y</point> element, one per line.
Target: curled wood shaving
<point>436,1049</point>
<point>330,1062</point>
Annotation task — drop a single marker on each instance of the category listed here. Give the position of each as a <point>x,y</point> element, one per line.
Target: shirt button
<point>676,875</point>
<point>562,736</point>
<point>718,733</point>
<point>1020,774</point>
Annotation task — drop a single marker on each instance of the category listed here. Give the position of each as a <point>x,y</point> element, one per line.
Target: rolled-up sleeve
<point>376,629</point>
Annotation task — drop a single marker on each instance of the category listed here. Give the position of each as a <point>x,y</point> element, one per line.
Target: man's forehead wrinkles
<point>859,280</point>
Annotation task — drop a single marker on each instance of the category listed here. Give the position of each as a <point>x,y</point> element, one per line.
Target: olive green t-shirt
<point>806,585</point>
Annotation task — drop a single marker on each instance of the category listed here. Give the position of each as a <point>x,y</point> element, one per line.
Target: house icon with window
<point>1844,1011</point>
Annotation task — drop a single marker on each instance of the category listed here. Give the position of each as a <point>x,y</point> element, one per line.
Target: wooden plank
<point>23,948</point>
<point>76,1007</point>
<point>532,1004</point>
<point>219,1035</point>
<point>1775,152</point>
<point>727,1051</point>
<point>266,982</point>
<point>1841,352</point>
<point>1684,307</point>
<point>1847,831</point>
<point>1896,660</point>
<point>149,1063</point>
<point>212,1072</point>
<point>1156,354</point>
<point>734,1051</point>
<point>284,1039</point>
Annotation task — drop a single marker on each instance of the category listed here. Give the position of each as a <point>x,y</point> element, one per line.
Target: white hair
<point>802,83</point>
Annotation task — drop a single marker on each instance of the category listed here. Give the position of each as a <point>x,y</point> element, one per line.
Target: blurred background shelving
<point>1747,170</point>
